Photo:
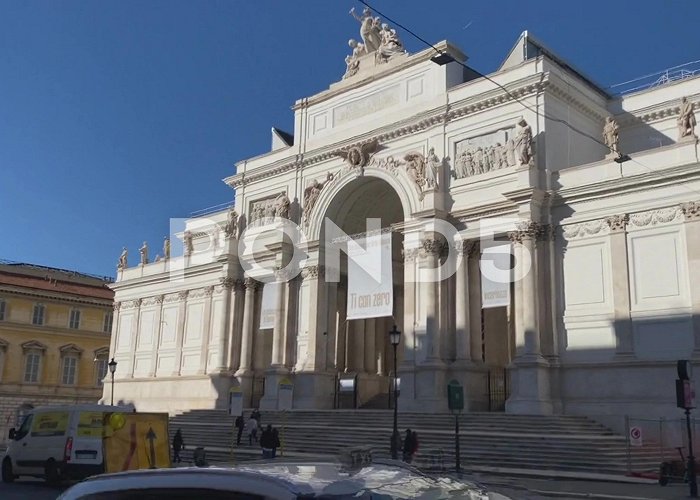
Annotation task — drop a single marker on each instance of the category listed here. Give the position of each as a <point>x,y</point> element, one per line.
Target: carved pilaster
<point>468,248</point>
<point>159,299</point>
<point>547,232</point>
<point>227,282</point>
<point>617,223</point>
<point>691,210</point>
<point>182,294</point>
<point>209,291</point>
<point>432,246</point>
<point>117,306</point>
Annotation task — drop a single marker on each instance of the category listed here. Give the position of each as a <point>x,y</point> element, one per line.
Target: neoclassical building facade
<point>612,236</point>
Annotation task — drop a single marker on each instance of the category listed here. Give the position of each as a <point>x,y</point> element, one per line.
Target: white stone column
<point>530,377</point>
<point>206,330</point>
<point>624,345</point>
<point>159,334</point>
<point>246,358</point>
<point>691,214</point>
<point>430,292</point>
<point>280,317</point>
<point>235,325</point>
<point>341,330</point>
<point>462,309</point>
<point>180,333</point>
<point>409,306</point>
<point>331,322</point>
<point>135,337</point>
<point>475,310</point>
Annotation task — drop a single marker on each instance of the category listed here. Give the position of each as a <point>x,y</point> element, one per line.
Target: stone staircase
<point>496,440</point>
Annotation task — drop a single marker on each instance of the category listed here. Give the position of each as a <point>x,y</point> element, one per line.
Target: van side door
<point>20,453</point>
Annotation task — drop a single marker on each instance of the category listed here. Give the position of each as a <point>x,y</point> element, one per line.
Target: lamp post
<point>112,368</point>
<point>395,338</point>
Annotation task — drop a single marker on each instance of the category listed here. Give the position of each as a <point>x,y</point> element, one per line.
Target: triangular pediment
<point>70,349</point>
<point>33,345</point>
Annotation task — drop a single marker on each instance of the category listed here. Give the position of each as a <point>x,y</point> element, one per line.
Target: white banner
<point>495,268</point>
<point>370,282</point>
<point>269,302</point>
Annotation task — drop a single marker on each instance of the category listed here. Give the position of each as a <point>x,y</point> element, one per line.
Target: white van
<point>56,442</point>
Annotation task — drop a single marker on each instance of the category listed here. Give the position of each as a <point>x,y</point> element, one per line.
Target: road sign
<point>137,441</point>
<point>635,436</point>
<point>284,394</point>
<point>235,402</point>
<point>455,396</point>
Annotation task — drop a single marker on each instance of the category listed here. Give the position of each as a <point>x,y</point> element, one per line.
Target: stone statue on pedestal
<point>187,240</point>
<point>231,227</point>
<point>166,248</point>
<point>523,143</point>
<point>390,46</point>
<point>311,194</point>
<point>123,259</point>
<point>611,136</point>
<point>144,253</point>
<point>282,203</point>
<point>686,120</point>
<point>432,170</point>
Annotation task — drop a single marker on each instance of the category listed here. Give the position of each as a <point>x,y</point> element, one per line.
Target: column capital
<point>547,232</point>
<point>432,246</point>
<point>617,223</point>
<point>691,210</point>
<point>525,230</point>
<point>468,248</point>
<point>251,284</point>
<point>312,272</point>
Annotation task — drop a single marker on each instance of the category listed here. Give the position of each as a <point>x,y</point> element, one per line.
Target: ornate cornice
<point>691,210</point>
<point>172,297</point>
<point>439,116</point>
<point>182,295</point>
<point>617,223</point>
<point>131,304</point>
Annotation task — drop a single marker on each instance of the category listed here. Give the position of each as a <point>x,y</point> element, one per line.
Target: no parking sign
<point>635,436</point>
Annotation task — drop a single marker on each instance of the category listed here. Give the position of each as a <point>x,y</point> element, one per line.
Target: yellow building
<point>55,327</point>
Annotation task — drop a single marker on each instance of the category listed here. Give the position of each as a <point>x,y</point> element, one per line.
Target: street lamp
<point>395,338</point>
<point>112,368</point>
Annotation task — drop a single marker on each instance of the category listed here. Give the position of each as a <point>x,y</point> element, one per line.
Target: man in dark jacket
<point>267,442</point>
<point>239,425</point>
<point>275,442</point>
<point>178,444</point>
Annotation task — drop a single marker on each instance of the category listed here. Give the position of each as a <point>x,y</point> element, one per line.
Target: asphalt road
<point>30,489</point>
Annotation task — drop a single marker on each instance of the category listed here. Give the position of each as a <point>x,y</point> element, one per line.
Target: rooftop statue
<point>390,46</point>
<point>611,135</point>
<point>123,259</point>
<point>144,253</point>
<point>166,248</point>
<point>686,120</point>
<point>369,29</point>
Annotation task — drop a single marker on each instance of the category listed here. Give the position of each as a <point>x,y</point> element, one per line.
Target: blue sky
<point>116,116</point>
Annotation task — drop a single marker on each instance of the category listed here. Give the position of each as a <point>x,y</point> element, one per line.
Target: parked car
<point>278,481</point>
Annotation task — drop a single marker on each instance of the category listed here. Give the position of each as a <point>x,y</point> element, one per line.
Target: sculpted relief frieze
<point>584,229</point>
<point>494,151</point>
<point>655,217</point>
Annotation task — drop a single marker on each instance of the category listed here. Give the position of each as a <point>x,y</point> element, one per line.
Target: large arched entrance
<point>363,352</point>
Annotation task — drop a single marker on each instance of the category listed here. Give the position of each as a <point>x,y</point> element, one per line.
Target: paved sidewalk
<point>533,488</point>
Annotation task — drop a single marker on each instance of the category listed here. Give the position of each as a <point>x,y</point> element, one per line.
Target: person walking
<point>267,442</point>
<point>275,442</point>
<point>178,444</point>
<point>251,429</point>
<point>408,447</point>
<point>256,415</point>
<point>239,425</point>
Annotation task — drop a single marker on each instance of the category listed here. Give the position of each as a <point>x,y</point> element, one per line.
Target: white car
<point>278,481</point>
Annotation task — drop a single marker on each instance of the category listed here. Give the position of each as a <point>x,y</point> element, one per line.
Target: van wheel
<point>51,473</point>
<point>7,475</point>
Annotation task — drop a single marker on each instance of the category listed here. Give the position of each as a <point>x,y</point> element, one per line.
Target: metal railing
<point>497,389</point>
<point>673,74</point>
<point>651,441</point>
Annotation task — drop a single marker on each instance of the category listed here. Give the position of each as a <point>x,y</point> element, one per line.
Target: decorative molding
<point>617,223</point>
<point>227,282</point>
<point>201,292</point>
<point>432,247</point>
<point>410,126</point>
<point>117,306</point>
<point>150,301</point>
<point>312,272</point>
<point>159,298</point>
<point>691,210</point>
<point>173,297</point>
<point>131,304</point>
<point>102,351</point>
<point>468,248</point>
<point>655,217</point>
<point>583,229</point>
<point>182,294</point>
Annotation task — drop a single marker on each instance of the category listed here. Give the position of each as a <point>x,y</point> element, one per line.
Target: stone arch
<point>397,180</point>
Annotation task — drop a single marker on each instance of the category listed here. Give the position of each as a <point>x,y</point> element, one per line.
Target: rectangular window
<point>100,370</point>
<point>38,315</point>
<point>74,319</point>
<point>69,366</point>
<point>107,325</point>
<point>31,368</point>
<point>3,308</point>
